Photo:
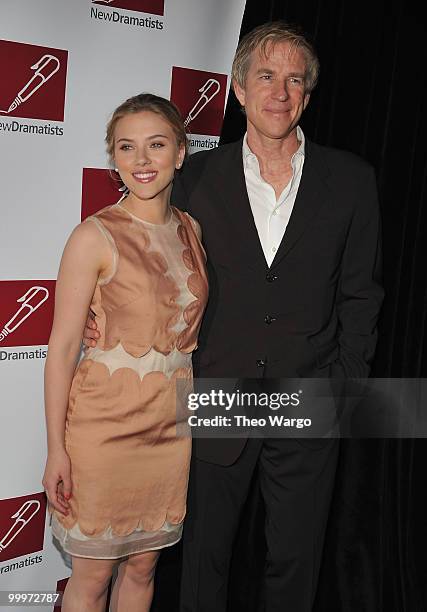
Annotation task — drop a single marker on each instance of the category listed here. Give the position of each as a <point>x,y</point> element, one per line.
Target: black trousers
<point>296,480</point>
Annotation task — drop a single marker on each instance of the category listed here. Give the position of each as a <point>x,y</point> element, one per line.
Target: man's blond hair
<point>266,36</point>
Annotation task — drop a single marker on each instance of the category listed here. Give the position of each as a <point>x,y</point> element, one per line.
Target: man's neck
<point>272,151</point>
<point>274,157</point>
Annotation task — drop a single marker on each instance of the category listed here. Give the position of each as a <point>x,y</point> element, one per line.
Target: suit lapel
<point>312,193</point>
<point>238,208</point>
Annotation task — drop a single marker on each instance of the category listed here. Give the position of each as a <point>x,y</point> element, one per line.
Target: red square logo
<point>60,588</point>
<point>100,188</point>
<point>22,522</point>
<point>155,7</point>
<point>200,96</point>
<point>33,81</point>
<point>26,312</point>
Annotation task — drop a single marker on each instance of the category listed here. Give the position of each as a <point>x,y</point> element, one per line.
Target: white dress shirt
<point>271,215</point>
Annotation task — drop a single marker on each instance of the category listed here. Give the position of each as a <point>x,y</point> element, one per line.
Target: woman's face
<point>146,154</point>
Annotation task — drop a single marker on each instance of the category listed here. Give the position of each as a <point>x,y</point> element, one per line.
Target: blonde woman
<point>116,473</point>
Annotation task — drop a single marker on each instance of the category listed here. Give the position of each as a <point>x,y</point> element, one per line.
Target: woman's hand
<point>57,480</point>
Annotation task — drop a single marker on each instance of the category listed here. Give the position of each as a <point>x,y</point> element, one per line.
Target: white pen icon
<point>45,68</point>
<point>22,517</point>
<point>31,301</point>
<point>208,92</point>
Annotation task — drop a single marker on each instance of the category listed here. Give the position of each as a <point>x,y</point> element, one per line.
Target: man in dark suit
<point>291,231</point>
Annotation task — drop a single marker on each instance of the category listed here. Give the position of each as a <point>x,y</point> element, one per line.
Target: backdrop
<point>372,99</point>
<point>65,65</point>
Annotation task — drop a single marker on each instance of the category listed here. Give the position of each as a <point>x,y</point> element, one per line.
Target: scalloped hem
<point>108,546</point>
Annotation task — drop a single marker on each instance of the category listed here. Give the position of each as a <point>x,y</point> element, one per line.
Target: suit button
<point>270,278</point>
<point>268,319</point>
<point>260,363</point>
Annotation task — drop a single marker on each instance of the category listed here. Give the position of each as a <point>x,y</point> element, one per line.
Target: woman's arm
<point>86,256</point>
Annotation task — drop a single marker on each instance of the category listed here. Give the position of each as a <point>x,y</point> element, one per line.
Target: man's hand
<point>91,334</point>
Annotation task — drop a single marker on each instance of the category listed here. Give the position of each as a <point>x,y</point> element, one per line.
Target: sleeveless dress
<point>129,468</point>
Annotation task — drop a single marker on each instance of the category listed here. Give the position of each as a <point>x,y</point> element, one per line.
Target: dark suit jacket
<point>313,313</point>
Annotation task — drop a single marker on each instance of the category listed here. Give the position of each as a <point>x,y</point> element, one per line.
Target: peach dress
<point>129,468</point>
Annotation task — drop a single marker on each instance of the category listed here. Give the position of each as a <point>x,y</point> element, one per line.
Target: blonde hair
<point>263,38</point>
<point>147,102</point>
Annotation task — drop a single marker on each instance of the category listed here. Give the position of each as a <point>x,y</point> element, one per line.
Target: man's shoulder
<point>350,177</point>
<point>338,160</point>
<point>204,171</point>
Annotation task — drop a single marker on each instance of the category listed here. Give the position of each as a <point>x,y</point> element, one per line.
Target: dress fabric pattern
<point>129,468</point>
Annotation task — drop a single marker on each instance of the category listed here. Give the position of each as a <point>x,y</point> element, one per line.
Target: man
<point>291,231</point>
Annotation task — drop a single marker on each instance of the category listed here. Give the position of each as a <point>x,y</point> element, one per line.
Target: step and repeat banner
<point>65,65</point>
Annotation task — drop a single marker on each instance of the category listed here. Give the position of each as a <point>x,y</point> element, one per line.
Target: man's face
<point>274,93</point>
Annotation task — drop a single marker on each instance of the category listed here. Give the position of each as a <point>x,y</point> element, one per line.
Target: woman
<point>116,473</point>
